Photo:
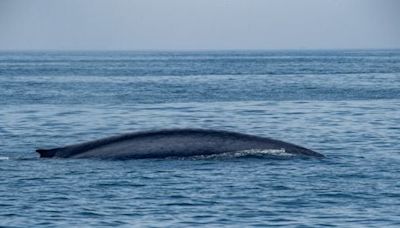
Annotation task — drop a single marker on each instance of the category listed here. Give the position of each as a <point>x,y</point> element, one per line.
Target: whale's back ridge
<point>171,142</point>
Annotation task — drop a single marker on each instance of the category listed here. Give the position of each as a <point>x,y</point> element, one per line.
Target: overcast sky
<point>198,24</point>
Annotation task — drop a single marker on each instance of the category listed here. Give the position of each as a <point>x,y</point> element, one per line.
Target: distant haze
<point>198,24</point>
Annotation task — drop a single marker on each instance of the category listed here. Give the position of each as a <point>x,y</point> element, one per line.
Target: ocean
<point>344,104</point>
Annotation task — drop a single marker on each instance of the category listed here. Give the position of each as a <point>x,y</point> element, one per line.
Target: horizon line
<point>199,50</point>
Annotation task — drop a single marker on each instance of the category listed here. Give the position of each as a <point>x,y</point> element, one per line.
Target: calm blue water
<point>344,104</point>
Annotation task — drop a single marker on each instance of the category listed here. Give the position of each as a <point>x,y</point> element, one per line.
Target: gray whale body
<point>172,143</point>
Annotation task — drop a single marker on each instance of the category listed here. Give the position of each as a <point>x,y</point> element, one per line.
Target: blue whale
<point>172,143</point>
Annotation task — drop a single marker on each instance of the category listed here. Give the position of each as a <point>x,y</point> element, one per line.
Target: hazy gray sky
<point>199,24</point>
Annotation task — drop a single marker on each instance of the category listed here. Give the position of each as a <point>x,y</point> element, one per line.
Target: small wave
<point>276,153</point>
<point>4,158</point>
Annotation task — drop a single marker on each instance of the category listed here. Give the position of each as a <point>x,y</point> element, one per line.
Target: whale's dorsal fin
<point>47,153</point>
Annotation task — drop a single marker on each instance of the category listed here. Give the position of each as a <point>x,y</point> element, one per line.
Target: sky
<point>198,24</point>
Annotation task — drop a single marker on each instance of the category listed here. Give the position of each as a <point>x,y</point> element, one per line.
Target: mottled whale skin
<point>171,143</point>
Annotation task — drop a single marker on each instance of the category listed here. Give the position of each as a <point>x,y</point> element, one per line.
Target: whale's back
<point>171,143</point>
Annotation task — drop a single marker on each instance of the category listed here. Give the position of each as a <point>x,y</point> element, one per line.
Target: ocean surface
<point>344,104</point>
